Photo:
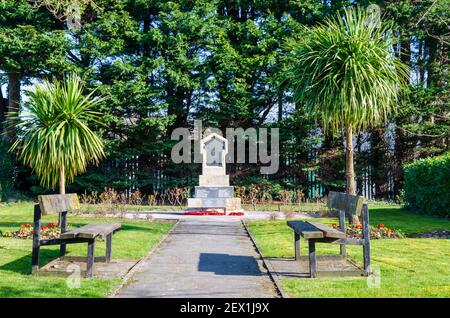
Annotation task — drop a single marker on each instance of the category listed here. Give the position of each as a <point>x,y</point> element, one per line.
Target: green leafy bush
<point>7,173</point>
<point>427,185</point>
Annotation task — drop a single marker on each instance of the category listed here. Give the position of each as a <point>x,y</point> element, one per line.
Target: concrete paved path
<point>204,256</point>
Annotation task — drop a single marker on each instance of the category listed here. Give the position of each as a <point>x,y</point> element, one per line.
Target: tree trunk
<point>350,170</point>
<point>3,108</point>
<point>62,182</point>
<point>13,104</point>
<point>280,105</point>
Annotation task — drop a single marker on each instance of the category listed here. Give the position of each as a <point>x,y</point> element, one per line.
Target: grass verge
<point>133,242</point>
<point>408,267</point>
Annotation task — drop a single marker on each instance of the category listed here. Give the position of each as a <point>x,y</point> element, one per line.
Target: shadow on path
<point>226,264</point>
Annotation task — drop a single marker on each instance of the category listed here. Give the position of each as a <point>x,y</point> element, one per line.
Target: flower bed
<point>379,232</point>
<point>49,231</point>
<point>213,213</point>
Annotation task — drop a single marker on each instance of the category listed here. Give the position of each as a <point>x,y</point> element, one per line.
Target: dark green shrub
<point>427,185</point>
<point>7,173</point>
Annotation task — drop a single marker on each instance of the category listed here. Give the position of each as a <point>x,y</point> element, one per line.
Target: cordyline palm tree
<point>54,138</point>
<point>343,73</point>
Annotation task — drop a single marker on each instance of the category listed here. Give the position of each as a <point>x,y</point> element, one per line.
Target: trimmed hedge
<point>427,185</point>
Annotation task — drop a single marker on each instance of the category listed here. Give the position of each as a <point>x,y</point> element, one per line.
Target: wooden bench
<point>315,232</point>
<point>63,203</point>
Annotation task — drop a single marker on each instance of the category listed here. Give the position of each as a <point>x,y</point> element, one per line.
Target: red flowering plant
<point>379,232</point>
<point>49,231</point>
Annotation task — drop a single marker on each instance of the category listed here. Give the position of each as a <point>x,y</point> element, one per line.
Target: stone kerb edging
<point>272,274</point>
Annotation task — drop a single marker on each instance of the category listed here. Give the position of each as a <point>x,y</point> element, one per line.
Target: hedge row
<point>427,185</point>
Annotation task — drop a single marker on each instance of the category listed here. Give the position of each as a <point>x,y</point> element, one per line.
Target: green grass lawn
<point>408,267</point>
<point>133,242</point>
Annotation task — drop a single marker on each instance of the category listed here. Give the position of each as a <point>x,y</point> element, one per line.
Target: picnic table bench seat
<point>315,232</point>
<point>93,230</point>
<point>62,204</point>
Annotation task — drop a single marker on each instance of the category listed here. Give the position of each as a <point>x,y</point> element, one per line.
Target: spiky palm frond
<point>344,72</point>
<point>53,131</point>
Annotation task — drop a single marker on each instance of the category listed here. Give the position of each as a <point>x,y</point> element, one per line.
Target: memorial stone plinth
<point>214,190</point>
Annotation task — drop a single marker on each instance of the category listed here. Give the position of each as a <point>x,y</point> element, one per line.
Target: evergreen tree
<point>32,44</point>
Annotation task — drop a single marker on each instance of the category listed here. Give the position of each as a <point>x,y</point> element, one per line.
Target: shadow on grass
<point>15,225</point>
<point>22,265</point>
<point>11,292</point>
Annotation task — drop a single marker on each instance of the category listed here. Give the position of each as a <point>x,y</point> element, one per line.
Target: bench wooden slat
<point>328,231</point>
<point>352,204</point>
<point>57,203</point>
<point>349,241</point>
<point>305,229</point>
<point>92,230</point>
<point>99,229</point>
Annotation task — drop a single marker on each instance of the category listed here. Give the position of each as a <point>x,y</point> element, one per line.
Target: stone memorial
<point>214,190</point>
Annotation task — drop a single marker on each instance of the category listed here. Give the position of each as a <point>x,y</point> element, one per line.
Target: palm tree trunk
<point>349,167</point>
<point>62,182</point>
<point>62,189</point>
<point>350,170</point>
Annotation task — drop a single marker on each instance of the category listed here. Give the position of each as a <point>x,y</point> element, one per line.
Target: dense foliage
<point>427,185</point>
<point>163,64</point>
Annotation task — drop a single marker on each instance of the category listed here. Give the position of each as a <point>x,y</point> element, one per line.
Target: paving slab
<point>67,265</point>
<point>327,266</point>
<point>203,257</point>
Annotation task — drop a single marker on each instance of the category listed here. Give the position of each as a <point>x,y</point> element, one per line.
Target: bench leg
<point>297,246</point>
<point>35,258</point>
<point>36,239</point>
<point>366,238</point>
<point>342,228</point>
<point>90,258</point>
<point>108,247</point>
<point>62,250</point>
<point>312,259</point>
<point>63,224</point>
